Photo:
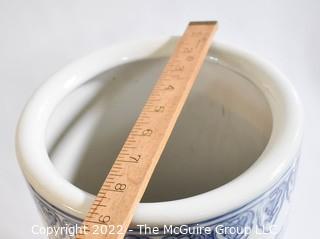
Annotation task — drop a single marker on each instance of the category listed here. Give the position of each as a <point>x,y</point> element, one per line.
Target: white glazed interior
<point>275,159</point>
<point>223,128</point>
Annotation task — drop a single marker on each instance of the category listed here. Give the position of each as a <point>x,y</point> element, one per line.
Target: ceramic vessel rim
<point>271,165</point>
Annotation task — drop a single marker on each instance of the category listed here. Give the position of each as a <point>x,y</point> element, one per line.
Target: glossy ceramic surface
<point>263,217</point>
<point>258,196</point>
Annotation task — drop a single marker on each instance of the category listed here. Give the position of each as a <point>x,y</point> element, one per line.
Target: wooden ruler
<point>113,208</point>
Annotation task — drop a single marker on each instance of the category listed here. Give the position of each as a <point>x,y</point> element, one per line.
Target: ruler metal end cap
<point>203,23</point>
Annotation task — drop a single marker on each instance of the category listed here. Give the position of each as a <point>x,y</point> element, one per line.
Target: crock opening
<point>223,129</point>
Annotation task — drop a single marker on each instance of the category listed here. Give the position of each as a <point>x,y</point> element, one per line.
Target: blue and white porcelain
<point>236,145</point>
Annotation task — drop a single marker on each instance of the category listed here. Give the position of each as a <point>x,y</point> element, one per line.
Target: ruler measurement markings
<point>150,132</point>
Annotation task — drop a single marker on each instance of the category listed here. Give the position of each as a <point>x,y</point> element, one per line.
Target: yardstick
<point>112,210</point>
